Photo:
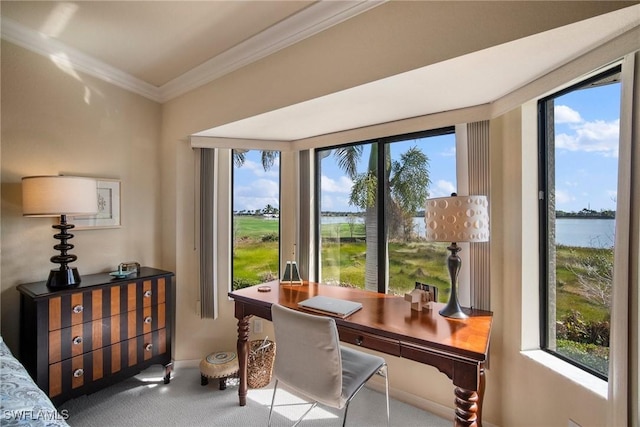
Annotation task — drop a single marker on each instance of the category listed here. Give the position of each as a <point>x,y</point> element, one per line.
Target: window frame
<point>380,205</point>
<point>544,120</point>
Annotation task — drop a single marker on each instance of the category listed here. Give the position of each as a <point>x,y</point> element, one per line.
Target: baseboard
<point>419,402</point>
<point>408,398</point>
<point>193,363</point>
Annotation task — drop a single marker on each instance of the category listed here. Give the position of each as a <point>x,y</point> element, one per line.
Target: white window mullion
<point>624,370</point>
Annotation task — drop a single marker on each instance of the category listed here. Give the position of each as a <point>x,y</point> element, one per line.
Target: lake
<point>581,232</point>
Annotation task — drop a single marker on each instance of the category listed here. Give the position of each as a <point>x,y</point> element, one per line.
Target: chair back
<point>308,357</point>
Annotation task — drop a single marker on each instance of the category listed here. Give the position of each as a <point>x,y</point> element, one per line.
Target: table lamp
<point>456,219</point>
<point>60,196</point>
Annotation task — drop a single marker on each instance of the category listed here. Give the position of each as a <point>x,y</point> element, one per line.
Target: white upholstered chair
<point>311,361</point>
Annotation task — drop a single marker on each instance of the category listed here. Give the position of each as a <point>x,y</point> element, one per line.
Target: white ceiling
<point>163,49</point>
<point>478,78</point>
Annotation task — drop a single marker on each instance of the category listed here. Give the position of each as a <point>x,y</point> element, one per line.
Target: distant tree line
<point>587,213</point>
<point>267,210</point>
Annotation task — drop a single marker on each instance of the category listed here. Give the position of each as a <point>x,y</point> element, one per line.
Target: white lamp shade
<point>59,195</point>
<point>457,219</point>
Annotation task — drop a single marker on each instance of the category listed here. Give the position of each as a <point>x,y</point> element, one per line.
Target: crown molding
<point>199,141</point>
<point>308,22</point>
<point>72,59</point>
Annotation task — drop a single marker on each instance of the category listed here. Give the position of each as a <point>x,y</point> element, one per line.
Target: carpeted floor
<point>145,400</point>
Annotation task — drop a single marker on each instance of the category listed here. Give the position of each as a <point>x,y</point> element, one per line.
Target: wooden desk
<point>386,323</point>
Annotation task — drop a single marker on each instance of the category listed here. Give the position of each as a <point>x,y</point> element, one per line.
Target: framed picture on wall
<point>108,215</point>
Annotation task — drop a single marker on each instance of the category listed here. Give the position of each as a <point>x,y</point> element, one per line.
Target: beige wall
<point>54,122</point>
<point>520,392</point>
<point>529,393</point>
<point>57,121</point>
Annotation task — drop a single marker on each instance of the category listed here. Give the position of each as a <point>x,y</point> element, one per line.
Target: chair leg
<point>273,398</point>
<point>305,414</point>
<point>383,372</point>
<point>344,415</point>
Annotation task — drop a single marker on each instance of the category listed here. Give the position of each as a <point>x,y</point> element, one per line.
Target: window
<point>371,195</point>
<point>256,217</point>
<point>579,141</point>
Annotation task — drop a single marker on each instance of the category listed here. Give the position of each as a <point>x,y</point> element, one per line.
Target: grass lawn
<point>256,260</point>
<point>343,256</point>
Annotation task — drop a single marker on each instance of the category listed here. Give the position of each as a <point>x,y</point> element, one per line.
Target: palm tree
<point>268,158</point>
<point>405,184</point>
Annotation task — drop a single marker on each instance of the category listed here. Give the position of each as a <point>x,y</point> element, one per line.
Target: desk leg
<point>466,408</point>
<point>481,387</point>
<point>243,357</point>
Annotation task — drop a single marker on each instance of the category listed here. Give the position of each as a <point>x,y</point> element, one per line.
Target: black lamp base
<point>453,309</point>
<point>63,278</point>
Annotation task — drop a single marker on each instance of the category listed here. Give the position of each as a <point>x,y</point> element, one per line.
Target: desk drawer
<point>373,342</point>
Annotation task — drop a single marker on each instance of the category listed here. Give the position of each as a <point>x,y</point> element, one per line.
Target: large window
<point>371,196</point>
<point>579,140</point>
<point>256,217</point>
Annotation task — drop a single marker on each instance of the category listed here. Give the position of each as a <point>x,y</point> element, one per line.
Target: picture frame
<point>108,215</point>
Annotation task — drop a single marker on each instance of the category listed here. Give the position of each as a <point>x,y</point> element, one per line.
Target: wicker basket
<point>261,356</point>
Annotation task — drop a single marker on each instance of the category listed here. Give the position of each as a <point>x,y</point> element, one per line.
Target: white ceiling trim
<point>72,58</point>
<point>308,22</point>
<point>485,77</point>
<point>248,144</point>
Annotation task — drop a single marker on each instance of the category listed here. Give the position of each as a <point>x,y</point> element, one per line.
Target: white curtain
<point>624,372</point>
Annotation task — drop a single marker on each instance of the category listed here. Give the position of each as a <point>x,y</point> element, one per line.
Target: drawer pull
<point>359,340</point>
<point>148,293</point>
<point>78,308</point>
<point>148,347</point>
<point>77,340</point>
<point>78,373</point>
<point>147,319</point>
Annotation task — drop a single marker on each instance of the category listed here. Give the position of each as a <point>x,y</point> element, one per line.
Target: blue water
<point>588,233</point>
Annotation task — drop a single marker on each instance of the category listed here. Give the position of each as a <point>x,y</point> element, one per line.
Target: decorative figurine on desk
<point>130,267</point>
<point>422,297</point>
<point>291,274</point>
<point>419,299</point>
<point>125,269</point>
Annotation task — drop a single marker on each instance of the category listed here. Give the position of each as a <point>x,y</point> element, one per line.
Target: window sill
<point>567,370</point>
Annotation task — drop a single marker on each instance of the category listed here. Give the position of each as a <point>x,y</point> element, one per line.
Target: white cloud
<point>563,197</point>
<point>442,188</point>
<point>597,136</point>
<point>451,152</point>
<point>564,114</point>
<point>257,169</point>
<point>260,193</point>
<point>341,185</point>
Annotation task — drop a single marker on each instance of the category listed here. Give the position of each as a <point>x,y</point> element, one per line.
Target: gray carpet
<point>145,400</point>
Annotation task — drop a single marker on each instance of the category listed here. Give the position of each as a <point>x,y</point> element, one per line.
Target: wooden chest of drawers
<point>79,340</point>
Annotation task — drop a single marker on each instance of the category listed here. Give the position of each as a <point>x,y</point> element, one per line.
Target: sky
<point>587,134</point>
<point>253,187</point>
<point>440,150</point>
<point>587,127</point>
